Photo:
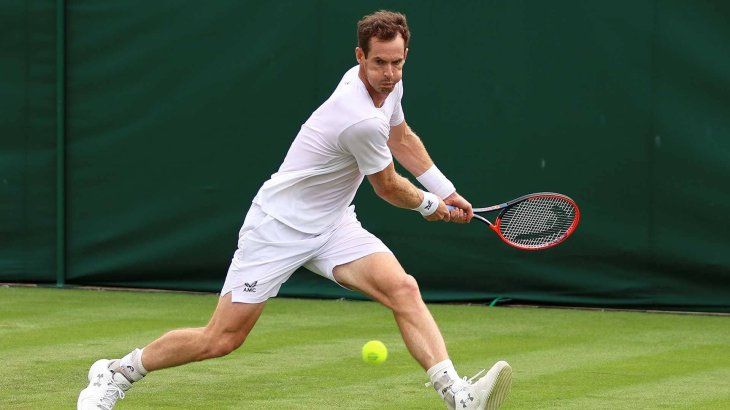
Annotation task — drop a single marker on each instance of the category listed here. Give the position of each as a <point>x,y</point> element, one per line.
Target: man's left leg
<point>380,276</point>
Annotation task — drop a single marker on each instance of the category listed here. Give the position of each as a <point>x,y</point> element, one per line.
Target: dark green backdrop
<point>177,111</point>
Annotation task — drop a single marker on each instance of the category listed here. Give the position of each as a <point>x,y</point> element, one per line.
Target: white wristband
<point>429,204</point>
<point>434,181</point>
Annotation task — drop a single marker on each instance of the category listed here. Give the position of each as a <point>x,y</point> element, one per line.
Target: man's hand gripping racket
<point>533,222</point>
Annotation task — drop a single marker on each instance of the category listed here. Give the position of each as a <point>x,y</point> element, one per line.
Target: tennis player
<point>303,216</point>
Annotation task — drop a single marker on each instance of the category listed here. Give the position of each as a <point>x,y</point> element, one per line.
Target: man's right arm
<point>400,192</point>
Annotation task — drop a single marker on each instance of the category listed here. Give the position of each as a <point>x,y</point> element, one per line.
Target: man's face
<point>383,66</point>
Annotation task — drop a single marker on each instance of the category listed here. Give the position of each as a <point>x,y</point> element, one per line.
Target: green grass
<point>306,354</point>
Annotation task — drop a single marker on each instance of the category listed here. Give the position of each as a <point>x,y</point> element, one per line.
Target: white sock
<point>131,366</point>
<point>443,375</point>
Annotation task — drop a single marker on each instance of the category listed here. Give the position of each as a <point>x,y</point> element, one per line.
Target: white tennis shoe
<point>104,389</point>
<point>489,392</point>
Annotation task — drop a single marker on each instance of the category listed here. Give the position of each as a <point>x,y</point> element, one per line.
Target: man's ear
<point>359,55</point>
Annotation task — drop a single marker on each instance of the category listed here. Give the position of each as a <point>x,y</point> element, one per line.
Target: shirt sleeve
<point>367,141</point>
<point>397,118</point>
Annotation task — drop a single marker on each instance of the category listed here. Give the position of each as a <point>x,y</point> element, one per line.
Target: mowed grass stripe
<point>340,381</point>
<point>599,380</point>
<point>306,354</point>
<point>681,391</point>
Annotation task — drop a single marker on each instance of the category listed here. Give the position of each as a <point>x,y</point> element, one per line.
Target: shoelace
<point>468,381</point>
<point>112,392</point>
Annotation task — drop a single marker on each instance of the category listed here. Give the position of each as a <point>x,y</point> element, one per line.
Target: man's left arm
<point>410,152</point>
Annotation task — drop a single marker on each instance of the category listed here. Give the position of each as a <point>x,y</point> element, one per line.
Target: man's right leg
<point>268,253</point>
<point>226,331</point>
<point>228,328</point>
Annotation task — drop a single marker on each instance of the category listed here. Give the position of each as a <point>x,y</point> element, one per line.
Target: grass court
<point>306,354</point>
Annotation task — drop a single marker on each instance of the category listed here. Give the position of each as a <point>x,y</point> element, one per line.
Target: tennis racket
<point>533,222</point>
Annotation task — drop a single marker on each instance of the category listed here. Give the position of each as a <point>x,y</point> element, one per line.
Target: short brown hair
<point>384,25</point>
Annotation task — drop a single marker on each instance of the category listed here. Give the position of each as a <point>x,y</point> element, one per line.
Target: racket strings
<point>537,222</point>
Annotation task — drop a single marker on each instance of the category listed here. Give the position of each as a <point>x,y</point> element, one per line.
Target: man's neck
<point>378,98</point>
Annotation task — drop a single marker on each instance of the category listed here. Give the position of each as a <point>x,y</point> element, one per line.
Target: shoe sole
<point>501,387</point>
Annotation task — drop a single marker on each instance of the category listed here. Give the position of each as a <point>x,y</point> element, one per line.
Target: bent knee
<point>409,285</point>
<point>404,291</point>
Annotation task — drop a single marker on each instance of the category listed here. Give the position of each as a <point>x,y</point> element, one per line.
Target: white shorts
<point>270,251</point>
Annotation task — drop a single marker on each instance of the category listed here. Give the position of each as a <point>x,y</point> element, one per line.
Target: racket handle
<point>450,207</point>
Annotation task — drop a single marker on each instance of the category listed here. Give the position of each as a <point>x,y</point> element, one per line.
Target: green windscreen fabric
<point>178,112</point>
<point>27,141</point>
<point>172,128</point>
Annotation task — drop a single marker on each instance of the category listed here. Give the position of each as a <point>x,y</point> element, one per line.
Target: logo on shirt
<point>428,205</point>
<point>250,287</point>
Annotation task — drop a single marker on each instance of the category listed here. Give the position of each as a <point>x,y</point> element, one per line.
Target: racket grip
<point>450,207</point>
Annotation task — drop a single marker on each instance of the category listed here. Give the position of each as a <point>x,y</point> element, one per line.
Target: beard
<point>386,87</point>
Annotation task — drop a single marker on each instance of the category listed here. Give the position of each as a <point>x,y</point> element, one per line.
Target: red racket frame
<point>504,206</point>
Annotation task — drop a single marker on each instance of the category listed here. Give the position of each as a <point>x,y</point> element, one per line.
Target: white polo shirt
<point>341,142</point>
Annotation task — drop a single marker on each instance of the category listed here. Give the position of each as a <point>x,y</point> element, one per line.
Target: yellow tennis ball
<point>374,352</point>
